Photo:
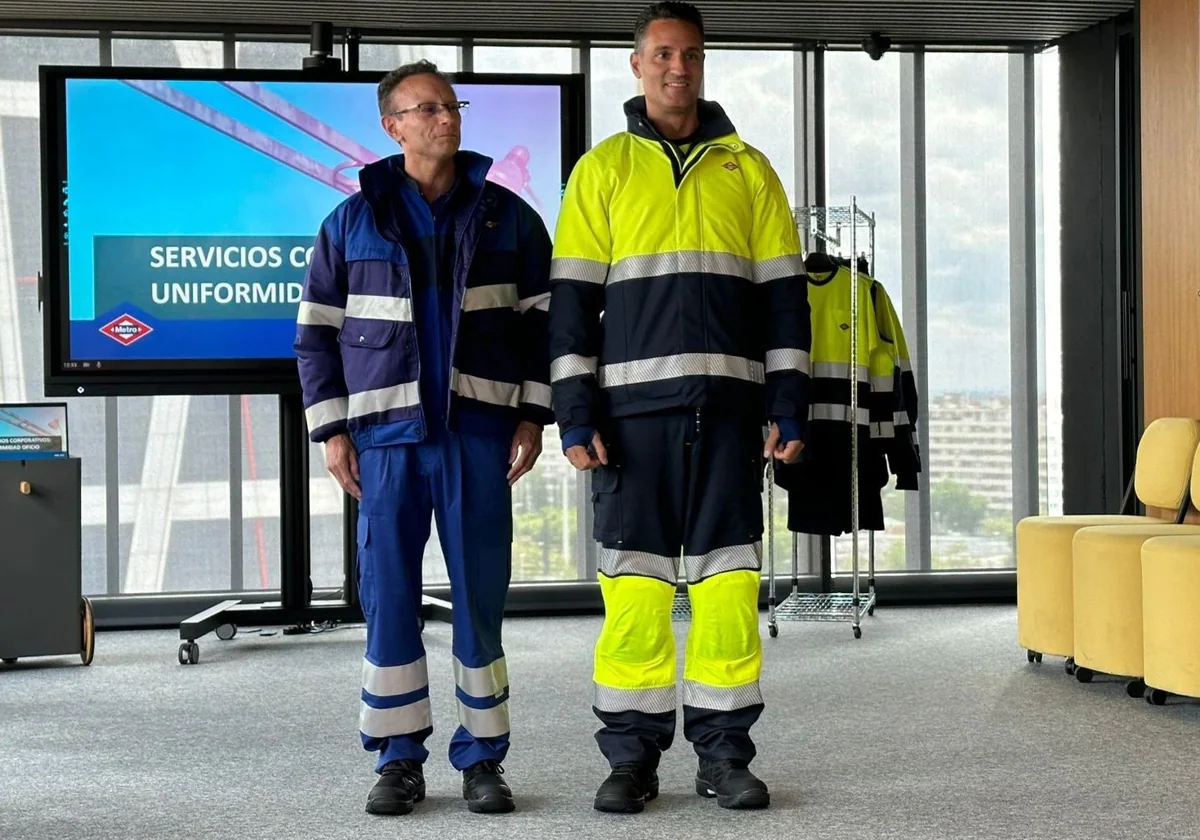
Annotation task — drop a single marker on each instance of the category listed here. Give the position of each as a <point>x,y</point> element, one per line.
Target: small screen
<point>33,431</point>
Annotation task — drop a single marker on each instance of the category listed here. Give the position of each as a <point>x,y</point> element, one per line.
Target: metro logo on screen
<point>126,329</point>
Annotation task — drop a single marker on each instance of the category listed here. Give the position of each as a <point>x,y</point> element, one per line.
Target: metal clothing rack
<point>821,227</point>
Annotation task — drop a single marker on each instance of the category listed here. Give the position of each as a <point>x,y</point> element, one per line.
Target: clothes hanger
<point>818,262</point>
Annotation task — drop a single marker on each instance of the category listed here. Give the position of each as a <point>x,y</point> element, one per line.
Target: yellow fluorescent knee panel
<point>724,648</point>
<point>636,648</point>
<point>1171,614</point>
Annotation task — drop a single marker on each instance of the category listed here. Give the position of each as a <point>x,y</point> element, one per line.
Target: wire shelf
<point>831,223</point>
<point>835,215</point>
<point>829,607</point>
<point>797,607</point>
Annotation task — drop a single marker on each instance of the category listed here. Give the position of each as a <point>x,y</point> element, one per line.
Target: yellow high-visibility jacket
<point>836,376</point>
<point>677,280</point>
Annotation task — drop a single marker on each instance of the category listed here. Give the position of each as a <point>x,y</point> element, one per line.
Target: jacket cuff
<point>577,436</point>
<point>536,414</point>
<point>789,429</point>
<point>332,430</point>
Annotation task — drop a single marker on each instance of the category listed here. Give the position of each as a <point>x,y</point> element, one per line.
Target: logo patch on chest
<point>731,166</point>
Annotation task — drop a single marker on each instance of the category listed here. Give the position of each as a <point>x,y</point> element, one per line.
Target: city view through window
<point>159,471</point>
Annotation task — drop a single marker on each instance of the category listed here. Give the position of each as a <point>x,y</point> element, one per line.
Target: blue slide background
<point>138,167</point>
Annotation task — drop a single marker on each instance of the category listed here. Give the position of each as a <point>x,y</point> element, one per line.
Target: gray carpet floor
<point>931,726</point>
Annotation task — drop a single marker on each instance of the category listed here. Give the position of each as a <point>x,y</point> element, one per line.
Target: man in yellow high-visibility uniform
<point>680,235</point>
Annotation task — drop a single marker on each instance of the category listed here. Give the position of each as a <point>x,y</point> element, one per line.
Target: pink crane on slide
<point>512,172</point>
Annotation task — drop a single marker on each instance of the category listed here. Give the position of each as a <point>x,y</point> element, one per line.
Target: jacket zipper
<point>460,294</point>
<point>679,171</point>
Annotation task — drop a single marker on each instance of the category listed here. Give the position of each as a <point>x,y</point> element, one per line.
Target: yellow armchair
<point>1108,597</point>
<point>1045,559</point>
<point>1171,617</point>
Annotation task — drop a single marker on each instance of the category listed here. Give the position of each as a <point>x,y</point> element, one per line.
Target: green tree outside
<point>956,509</point>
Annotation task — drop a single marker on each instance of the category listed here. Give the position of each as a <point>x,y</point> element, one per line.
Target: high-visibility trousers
<point>460,480</point>
<point>684,483</point>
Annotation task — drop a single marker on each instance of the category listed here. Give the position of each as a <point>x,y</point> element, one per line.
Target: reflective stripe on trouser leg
<point>394,524</point>
<point>634,670</point>
<point>721,695</point>
<point>473,505</point>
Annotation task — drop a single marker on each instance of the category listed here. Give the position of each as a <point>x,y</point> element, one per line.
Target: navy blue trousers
<point>461,482</point>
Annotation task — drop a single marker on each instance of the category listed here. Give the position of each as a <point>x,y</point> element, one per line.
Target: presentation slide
<point>192,206</point>
<point>33,431</point>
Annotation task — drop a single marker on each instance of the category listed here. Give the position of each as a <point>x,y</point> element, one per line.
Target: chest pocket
<point>374,270</point>
<point>377,269</point>
<point>496,258</point>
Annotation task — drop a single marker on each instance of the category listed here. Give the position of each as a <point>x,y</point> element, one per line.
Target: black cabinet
<point>42,608</point>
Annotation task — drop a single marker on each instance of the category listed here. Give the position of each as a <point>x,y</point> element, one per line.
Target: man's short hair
<point>669,10</point>
<point>396,77</point>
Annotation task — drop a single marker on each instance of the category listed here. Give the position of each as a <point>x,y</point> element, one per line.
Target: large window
<point>490,59</point>
<point>391,56</point>
<point>970,394</point>
<point>756,90</point>
<point>21,261</point>
<point>274,55</point>
<point>146,52</point>
<point>862,161</point>
<point>612,84</point>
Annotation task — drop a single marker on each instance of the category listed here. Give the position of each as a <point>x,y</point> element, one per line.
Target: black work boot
<point>627,789</point>
<point>732,784</point>
<point>400,785</point>
<point>485,791</point>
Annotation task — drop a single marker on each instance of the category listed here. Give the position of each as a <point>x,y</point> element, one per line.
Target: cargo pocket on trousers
<point>366,568</point>
<point>606,504</point>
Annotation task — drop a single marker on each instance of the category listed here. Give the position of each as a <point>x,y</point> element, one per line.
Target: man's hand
<point>342,461</point>
<point>581,458</point>
<point>526,447</point>
<point>788,454</point>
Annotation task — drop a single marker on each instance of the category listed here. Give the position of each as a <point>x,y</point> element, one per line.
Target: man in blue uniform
<point>423,355</point>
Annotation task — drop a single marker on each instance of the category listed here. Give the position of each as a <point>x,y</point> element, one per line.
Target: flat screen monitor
<point>181,207</point>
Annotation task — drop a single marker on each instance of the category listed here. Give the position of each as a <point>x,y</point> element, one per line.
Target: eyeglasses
<point>432,109</point>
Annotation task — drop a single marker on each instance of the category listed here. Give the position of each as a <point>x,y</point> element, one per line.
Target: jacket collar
<point>379,180</point>
<point>714,123</point>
